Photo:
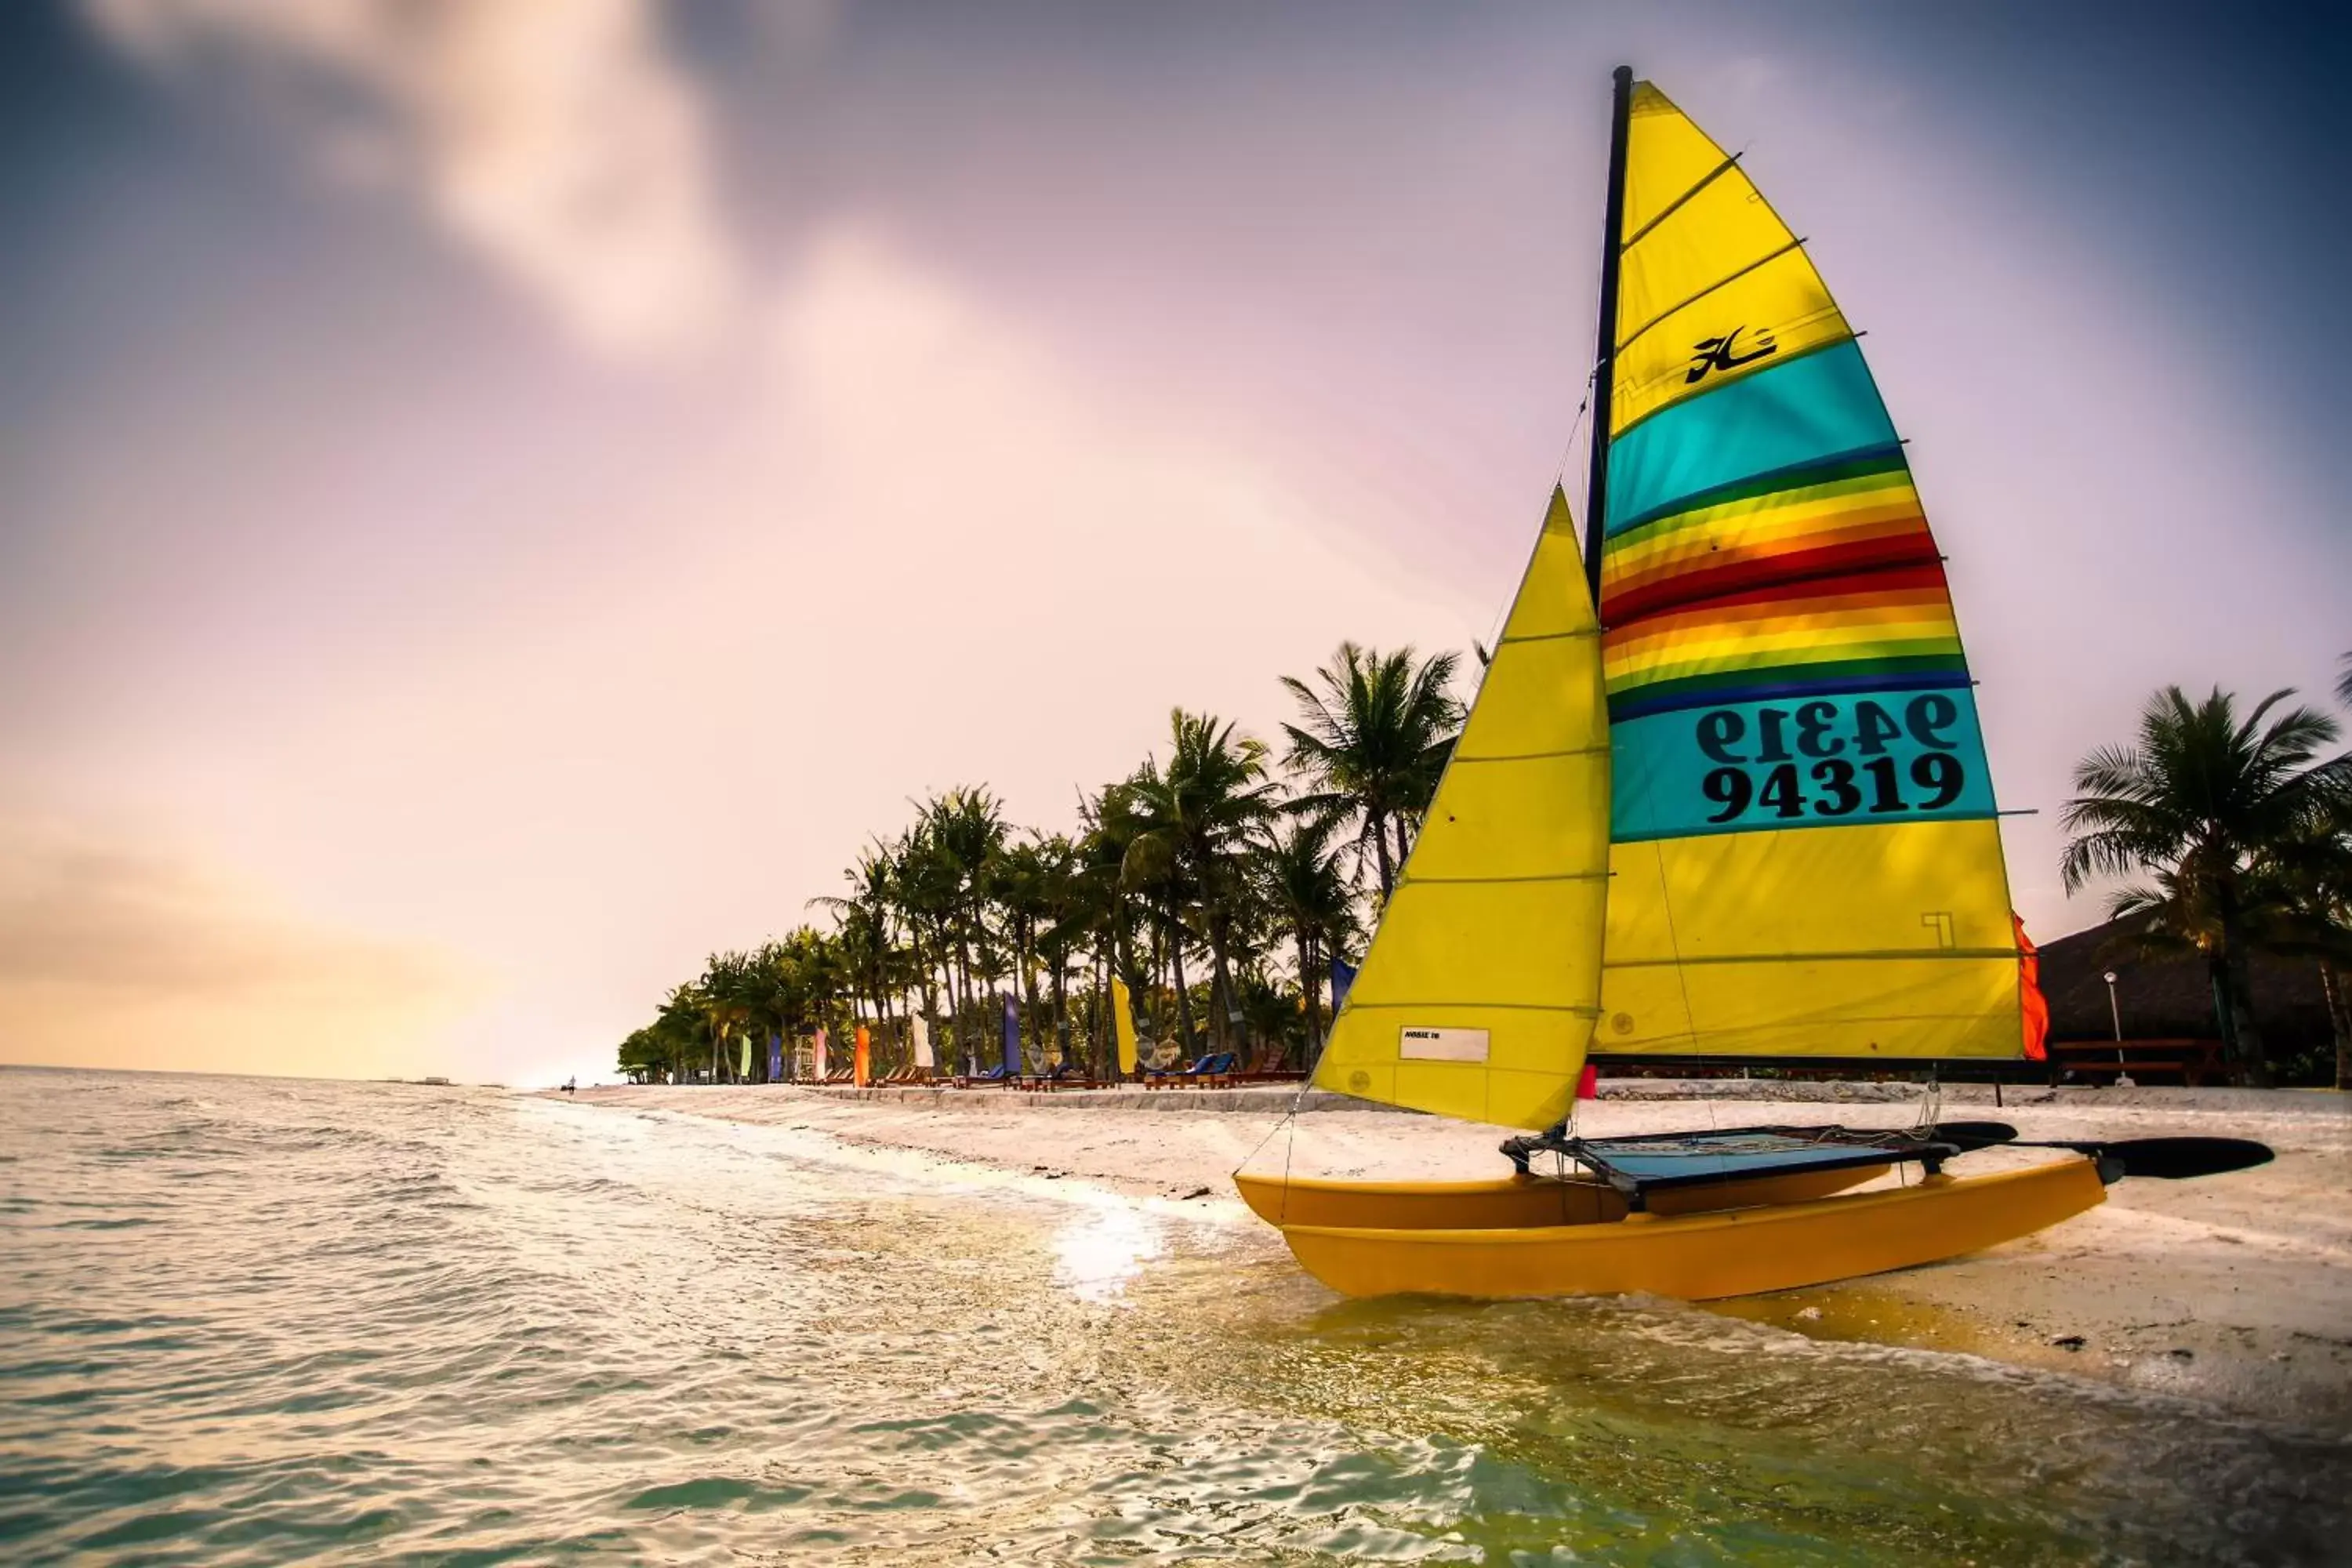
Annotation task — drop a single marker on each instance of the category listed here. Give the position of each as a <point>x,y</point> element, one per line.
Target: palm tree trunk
<point>1062,1025</point>
<point>1184,995</point>
<point>2340,1018</point>
<point>1221,989</point>
<point>2238,990</point>
<point>1379,826</point>
<point>1308,982</point>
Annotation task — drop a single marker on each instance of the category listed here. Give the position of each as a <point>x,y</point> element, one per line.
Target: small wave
<point>717,1492</point>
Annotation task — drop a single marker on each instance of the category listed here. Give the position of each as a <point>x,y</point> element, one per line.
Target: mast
<point>1604,375</point>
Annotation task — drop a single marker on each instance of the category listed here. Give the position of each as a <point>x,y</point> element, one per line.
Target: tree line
<point>1215,880</point>
<point>1218,883</point>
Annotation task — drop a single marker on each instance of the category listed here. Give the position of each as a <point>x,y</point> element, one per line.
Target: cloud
<point>137,957</point>
<point>558,142</point>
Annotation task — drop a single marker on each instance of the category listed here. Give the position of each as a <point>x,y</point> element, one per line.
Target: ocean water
<point>256,1321</point>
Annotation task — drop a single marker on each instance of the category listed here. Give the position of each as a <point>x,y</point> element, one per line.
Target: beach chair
<point>1069,1075</point>
<point>1165,1077</point>
<point>999,1075</point>
<point>1212,1069</point>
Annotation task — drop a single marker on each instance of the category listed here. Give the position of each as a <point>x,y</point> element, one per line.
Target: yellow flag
<point>1123,1020</point>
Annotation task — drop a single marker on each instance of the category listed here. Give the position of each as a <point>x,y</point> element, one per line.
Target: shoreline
<point>2234,1291</point>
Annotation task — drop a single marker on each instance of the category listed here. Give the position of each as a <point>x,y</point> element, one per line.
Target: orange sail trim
<point>2030,1000</point>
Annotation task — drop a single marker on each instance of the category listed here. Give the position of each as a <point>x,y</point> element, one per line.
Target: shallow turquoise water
<point>256,1321</point>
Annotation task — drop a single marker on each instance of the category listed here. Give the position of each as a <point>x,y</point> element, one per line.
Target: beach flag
<point>1122,1018</point>
<point>743,1068</point>
<point>820,1056</point>
<point>918,1029</point>
<point>1343,975</point>
<point>1012,1038</point>
<point>2031,1004</point>
<point>861,1064</point>
<point>775,1057</point>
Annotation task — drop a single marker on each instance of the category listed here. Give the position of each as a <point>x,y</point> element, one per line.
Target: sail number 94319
<point>1827,759</point>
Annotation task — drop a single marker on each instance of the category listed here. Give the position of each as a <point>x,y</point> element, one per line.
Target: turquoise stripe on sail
<point>1832,762</point>
<point>1811,411</point>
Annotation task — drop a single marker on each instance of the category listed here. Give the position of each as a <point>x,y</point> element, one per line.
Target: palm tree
<point>1373,742</point>
<point>1202,810</point>
<point>2305,887</point>
<point>1102,910</point>
<point>863,921</point>
<point>1310,901</point>
<point>2198,801</point>
<point>681,1022</point>
<point>947,861</point>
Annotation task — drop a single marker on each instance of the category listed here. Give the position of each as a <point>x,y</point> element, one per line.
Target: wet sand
<point>2234,1290</point>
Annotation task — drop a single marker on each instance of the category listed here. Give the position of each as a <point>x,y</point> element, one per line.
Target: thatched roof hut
<point>2171,998</point>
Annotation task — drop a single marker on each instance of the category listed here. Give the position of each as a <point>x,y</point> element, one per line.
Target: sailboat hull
<point>1700,1256</point>
<point>1511,1202</point>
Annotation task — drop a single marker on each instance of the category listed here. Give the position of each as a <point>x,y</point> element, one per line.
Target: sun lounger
<point>1069,1075</point>
<point>999,1075</point>
<point>1209,1071</point>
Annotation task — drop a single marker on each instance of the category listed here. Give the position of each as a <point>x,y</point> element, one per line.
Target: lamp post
<point>2116,1012</point>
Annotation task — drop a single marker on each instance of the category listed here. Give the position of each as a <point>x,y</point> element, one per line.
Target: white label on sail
<point>1443,1045</point>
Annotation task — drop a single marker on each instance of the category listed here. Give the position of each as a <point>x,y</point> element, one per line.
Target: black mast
<point>1604,375</point>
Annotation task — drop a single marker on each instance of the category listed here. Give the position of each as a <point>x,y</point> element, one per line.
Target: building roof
<point>2172,999</point>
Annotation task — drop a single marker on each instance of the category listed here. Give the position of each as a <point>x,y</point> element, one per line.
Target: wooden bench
<point>2190,1061</point>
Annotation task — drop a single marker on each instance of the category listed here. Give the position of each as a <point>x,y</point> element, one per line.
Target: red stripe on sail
<point>1779,571</point>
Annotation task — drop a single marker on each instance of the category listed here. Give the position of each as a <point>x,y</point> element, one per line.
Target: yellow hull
<point>1703,1256</point>
<point>1510,1203</point>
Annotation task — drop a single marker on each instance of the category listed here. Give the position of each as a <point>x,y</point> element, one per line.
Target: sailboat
<point>1722,795</point>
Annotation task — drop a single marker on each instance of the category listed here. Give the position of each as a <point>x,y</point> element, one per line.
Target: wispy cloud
<point>559,143</point>
<point>136,956</point>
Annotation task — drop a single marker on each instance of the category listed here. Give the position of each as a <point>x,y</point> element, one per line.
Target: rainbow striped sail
<point>1744,811</point>
<point>1805,858</point>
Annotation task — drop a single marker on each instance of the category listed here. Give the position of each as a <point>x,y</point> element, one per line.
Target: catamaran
<point>1722,793</point>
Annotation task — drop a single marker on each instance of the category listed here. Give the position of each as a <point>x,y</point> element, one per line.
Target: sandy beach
<point>2234,1290</point>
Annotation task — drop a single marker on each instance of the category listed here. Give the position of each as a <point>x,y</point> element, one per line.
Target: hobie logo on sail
<point>1723,353</point>
<point>1442,1045</point>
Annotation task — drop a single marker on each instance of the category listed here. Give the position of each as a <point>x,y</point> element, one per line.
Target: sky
<point>497,503</point>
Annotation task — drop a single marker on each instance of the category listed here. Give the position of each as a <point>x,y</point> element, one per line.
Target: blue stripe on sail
<point>1784,688</point>
<point>1814,409</point>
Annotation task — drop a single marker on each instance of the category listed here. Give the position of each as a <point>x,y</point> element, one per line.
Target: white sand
<point>2233,1289</point>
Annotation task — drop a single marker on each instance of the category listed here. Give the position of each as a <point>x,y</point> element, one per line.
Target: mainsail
<point>1482,980</point>
<point>1806,858</point>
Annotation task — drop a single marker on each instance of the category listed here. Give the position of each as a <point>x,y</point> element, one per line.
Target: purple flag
<point>1343,975</point>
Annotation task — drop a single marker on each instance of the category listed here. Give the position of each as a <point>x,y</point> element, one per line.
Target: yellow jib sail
<point>1807,859</point>
<point>1482,980</point>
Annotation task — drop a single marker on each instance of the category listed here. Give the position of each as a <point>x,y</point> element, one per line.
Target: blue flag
<point>1011,1036</point>
<point>775,1057</point>
<point>1343,975</point>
